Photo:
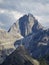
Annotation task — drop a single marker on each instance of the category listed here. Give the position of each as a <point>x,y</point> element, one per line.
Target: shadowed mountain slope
<point>20,57</point>
<point>37,44</point>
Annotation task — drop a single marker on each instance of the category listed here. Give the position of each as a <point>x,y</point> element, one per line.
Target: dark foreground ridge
<point>20,57</point>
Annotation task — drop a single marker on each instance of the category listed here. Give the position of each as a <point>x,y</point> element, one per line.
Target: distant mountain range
<point>30,34</point>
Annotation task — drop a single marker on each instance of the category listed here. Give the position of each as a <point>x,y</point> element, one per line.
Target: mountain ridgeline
<point>26,34</point>
<point>25,25</point>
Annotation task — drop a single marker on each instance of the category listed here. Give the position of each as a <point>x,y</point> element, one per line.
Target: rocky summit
<point>25,42</point>
<point>25,25</point>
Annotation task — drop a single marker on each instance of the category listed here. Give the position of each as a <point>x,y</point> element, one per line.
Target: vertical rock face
<point>25,25</point>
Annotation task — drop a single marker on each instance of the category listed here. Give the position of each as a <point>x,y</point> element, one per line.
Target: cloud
<point>1,24</point>
<point>8,18</point>
<point>11,10</point>
<point>36,7</point>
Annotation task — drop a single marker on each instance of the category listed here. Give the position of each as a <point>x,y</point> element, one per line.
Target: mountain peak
<point>31,15</point>
<point>25,25</point>
<point>28,15</point>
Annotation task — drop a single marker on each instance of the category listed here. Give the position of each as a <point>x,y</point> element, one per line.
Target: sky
<point>12,10</point>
